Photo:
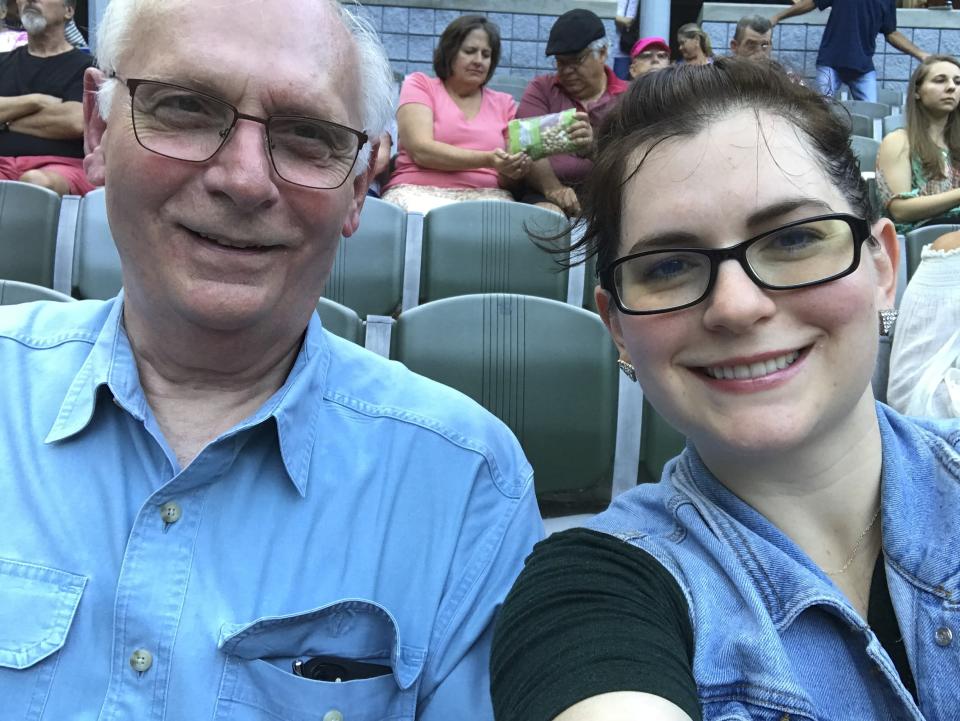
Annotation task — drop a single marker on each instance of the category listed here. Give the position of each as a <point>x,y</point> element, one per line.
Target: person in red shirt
<point>583,81</point>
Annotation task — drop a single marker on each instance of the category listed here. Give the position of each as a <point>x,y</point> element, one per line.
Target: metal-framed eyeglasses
<point>797,255</point>
<point>186,124</point>
<point>574,63</point>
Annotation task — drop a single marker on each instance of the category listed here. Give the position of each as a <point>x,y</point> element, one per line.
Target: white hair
<point>377,88</point>
<point>598,45</point>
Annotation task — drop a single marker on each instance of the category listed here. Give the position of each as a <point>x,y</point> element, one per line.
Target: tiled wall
<point>796,45</point>
<point>410,35</point>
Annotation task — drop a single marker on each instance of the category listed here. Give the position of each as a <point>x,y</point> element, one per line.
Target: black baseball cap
<point>573,31</point>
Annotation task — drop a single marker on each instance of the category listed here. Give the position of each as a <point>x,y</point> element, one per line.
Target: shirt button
<point>170,512</point>
<point>333,715</point>
<point>141,660</point>
<point>944,636</point>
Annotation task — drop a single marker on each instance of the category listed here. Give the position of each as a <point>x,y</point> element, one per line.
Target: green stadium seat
<point>13,292</point>
<point>340,320</point>
<point>866,151</point>
<point>96,264</point>
<point>865,107</point>
<point>894,122</point>
<point>367,274</point>
<point>28,232</point>
<point>546,368</point>
<point>659,443</point>
<point>484,246</point>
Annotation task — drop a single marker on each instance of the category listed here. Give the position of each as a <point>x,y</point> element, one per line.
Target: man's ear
<point>733,46</point>
<point>360,186</point>
<point>94,128</point>
<point>611,318</point>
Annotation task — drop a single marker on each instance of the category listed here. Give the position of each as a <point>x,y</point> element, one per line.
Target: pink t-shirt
<point>484,132</point>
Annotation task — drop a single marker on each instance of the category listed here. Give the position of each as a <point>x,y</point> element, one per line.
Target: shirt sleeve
<point>925,344</point>
<point>589,615</point>
<point>416,88</point>
<point>823,4</point>
<point>889,23</point>
<point>534,101</point>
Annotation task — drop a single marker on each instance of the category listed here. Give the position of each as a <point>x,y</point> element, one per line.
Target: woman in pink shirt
<point>452,128</point>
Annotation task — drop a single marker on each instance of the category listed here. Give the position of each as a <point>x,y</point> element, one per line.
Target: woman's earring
<point>887,318</point>
<point>628,370</point>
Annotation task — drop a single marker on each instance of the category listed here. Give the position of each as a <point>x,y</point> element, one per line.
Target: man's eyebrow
<point>754,221</point>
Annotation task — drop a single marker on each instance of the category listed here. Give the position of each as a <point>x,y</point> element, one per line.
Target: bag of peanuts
<point>541,136</point>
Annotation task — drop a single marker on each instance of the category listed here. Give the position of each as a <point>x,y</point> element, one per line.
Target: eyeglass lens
<point>188,125</point>
<point>788,257</point>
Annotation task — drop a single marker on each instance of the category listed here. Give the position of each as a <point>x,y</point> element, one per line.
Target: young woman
<point>694,44</point>
<point>918,167</point>
<point>452,128</point>
<point>799,560</point>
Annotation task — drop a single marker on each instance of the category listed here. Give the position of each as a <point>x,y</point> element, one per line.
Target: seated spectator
<point>452,128</point>
<point>41,114</point>
<point>918,167</point>
<point>10,37</point>
<point>925,359</point>
<point>753,38</point>
<point>583,81</point>
<point>648,54</point>
<point>695,46</point>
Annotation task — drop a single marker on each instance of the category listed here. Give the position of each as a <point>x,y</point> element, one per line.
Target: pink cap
<point>645,43</point>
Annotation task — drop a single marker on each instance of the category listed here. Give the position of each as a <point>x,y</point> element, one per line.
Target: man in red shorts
<point>41,111</point>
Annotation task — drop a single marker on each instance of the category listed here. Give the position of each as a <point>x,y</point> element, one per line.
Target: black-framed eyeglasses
<point>797,255</point>
<point>186,124</point>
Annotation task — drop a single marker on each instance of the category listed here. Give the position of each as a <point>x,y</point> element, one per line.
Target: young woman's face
<point>732,182</point>
<point>472,63</point>
<point>689,46</point>
<point>938,93</point>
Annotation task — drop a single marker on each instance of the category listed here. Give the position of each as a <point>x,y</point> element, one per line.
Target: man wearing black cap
<point>582,81</point>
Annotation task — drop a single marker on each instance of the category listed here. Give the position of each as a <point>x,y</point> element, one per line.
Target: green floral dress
<point>920,186</point>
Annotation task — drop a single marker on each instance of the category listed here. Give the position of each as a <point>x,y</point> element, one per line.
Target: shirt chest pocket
<point>259,683</point>
<point>37,606</point>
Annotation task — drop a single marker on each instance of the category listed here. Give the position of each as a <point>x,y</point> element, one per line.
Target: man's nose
<point>242,169</point>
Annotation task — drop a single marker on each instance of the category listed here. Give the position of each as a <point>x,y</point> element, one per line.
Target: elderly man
<point>647,55</point>
<point>753,38</point>
<point>583,81</point>
<point>41,116</point>
<point>212,507</point>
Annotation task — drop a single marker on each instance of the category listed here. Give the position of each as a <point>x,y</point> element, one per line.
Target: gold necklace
<point>856,547</point>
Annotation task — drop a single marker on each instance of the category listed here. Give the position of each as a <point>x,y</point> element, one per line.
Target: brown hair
<point>918,124</point>
<point>691,30</point>
<point>681,101</point>
<point>452,38</point>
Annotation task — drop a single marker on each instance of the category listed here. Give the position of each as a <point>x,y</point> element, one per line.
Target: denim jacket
<point>774,639</point>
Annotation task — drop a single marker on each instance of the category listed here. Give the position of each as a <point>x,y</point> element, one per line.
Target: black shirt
<point>60,76</point>
<point>591,614</point>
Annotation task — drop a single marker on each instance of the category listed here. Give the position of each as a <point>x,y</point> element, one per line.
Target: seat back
<point>484,246</point>
<point>861,125</point>
<point>658,444</point>
<point>920,237</point>
<point>14,291</point>
<point>509,84</point>
<point>865,107</point>
<point>547,369</point>
<point>340,320</point>
<point>894,122</point>
<point>367,274</point>
<point>891,97</point>
<point>28,232</point>
<point>866,151</point>
<point>96,264</point>
<point>881,370</point>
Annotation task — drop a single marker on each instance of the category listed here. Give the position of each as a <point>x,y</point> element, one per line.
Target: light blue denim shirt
<point>774,639</point>
<point>363,512</point>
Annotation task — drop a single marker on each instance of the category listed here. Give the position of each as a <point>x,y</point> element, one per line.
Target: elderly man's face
<point>581,75</point>
<point>37,15</point>
<point>226,244</point>
<point>753,44</point>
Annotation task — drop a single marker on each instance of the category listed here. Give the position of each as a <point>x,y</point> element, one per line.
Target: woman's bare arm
<point>893,160</point>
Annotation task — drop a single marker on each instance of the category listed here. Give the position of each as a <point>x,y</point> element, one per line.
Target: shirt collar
<point>615,86</point>
<point>294,407</point>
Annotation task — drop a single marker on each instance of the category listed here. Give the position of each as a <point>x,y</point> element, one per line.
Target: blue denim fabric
<point>773,637</point>
<point>362,512</point>
<point>863,86</point>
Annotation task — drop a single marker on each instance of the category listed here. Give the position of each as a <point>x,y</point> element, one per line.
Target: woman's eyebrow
<point>775,211</point>
<point>679,238</point>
